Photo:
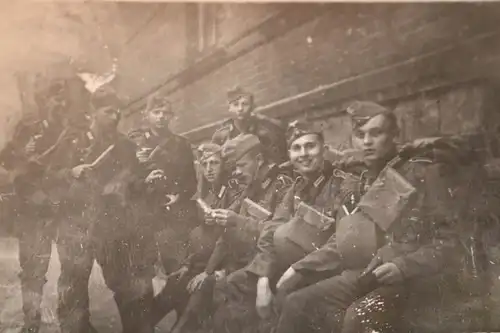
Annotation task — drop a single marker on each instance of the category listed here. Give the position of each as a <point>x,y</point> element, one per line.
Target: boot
<point>32,301</point>
<point>30,329</point>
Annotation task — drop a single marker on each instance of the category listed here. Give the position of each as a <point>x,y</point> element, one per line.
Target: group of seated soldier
<point>314,245</point>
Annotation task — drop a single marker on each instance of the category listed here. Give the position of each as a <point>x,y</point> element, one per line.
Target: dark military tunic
<point>296,237</point>
<point>415,234</point>
<point>271,133</point>
<point>28,176</point>
<point>175,157</point>
<point>236,247</point>
<point>32,208</point>
<point>204,237</point>
<point>101,225</point>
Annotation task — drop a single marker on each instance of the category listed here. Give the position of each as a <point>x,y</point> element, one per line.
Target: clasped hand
<point>79,170</point>
<point>388,273</point>
<point>143,155</point>
<point>224,217</point>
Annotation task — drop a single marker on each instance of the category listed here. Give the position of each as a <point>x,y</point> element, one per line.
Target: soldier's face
<point>246,167</point>
<point>306,154</point>
<point>159,118</point>
<point>376,139</point>
<point>106,117</point>
<point>212,167</point>
<point>241,107</point>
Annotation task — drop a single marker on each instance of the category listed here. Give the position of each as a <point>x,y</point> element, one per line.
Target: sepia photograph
<point>246,167</point>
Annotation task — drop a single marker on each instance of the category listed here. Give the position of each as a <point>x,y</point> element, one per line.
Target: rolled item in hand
<point>99,160</point>
<point>204,206</point>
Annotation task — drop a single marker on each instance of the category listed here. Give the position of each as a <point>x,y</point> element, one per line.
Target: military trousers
<point>337,305</point>
<point>127,266</point>
<point>235,307</point>
<point>172,227</point>
<point>35,236</point>
<point>180,244</point>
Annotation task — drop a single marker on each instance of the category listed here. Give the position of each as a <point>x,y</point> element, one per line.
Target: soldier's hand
<point>388,273</point>
<point>263,302</point>
<point>30,147</point>
<point>209,219</point>
<point>219,275</point>
<point>179,274</point>
<point>288,280</point>
<point>79,170</point>
<point>225,217</point>
<point>143,154</point>
<point>154,175</point>
<point>197,282</point>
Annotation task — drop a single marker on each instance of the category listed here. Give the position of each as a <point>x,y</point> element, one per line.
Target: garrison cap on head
<point>105,96</point>
<point>362,111</point>
<point>157,102</point>
<point>237,147</point>
<point>207,150</point>
<point>299,128</point>
<point>237,92</point>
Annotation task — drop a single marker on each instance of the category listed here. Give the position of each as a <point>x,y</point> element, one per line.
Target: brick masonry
<point>406,43</point>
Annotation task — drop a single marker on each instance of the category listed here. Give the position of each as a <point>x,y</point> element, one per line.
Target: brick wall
<point>155,48</point>
<point>345,52</point>
<point>236,19</point>
<point>464,108</point>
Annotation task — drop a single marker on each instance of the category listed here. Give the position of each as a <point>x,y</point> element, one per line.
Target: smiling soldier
<point>308,196</point>
<point>396,234</point>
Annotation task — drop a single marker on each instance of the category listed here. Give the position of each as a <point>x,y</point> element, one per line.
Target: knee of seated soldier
<point>237,277</point>
<point>298,300</point>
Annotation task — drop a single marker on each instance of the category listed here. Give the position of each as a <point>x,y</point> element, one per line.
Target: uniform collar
<point>245,125</point>
<point>376,168</point>
<point>317,181</point>
<point>267,174</point>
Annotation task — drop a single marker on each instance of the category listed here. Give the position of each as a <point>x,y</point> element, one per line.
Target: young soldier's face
<point>106,117</point>
<point>159,118</point>
<point>246,167</point>
<point>212,167</point>
<point>375,139</point>
<point>306,154</point>
<point>241,107</point>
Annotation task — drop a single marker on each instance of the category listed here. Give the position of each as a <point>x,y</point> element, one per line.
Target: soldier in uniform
<point>306,151</point>
<point>219,191</point>
<point>396,234</point>
<point>265,185</point>
<point>216,190</point>
<point>271,132</point>
<point>172,213</point>
<point>105,179</point>
<point>29,159</point>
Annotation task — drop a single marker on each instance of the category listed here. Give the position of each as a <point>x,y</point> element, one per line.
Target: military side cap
<point>105,96</point>
<point>362,111</point>
<point>157,102</point>
<point>207,150</point>
<point>237,92</point>
<point>237,147</point>
<point>299,128</point>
